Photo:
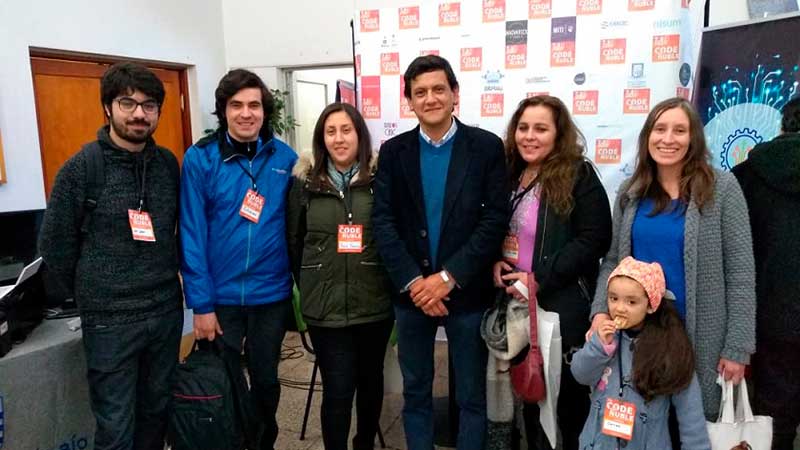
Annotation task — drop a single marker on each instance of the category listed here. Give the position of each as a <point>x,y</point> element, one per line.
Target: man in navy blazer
<point>439,217</point>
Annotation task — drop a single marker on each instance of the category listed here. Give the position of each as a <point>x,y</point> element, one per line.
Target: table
<point>44,391</point>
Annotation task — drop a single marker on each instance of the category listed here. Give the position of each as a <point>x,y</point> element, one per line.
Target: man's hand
<point>435,309</point>
<point>429,290</point>
<point>598,320</point>
<point>731,370</point>
<point>206,326</point>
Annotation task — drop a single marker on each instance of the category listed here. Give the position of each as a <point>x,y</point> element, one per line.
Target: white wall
<point>181,31</point>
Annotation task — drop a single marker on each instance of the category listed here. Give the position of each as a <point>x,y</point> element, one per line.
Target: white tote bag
<point>732,429</point>
<point>549,331</point>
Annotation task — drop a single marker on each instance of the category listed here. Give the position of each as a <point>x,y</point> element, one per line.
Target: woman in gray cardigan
<point>678,211</point>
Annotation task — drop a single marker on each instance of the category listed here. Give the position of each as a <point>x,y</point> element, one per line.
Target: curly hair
<point>557,173</point>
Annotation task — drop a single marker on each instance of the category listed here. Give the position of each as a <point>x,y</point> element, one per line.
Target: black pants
<point>351,361</point>
<point>129,368</point>
<point>776,371</point>
<point>262,328</point>
<point>573,409</point>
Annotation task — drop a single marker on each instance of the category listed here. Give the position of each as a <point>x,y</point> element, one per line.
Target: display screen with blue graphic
<point>747,73</point>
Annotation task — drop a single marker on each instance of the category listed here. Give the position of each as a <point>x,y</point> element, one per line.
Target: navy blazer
<point>474,219</point>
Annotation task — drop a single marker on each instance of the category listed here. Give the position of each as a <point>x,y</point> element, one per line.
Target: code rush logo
<point>536,94</point>
<point>405,108</point>
<point>371,97</point>
<point>641,5</point>
<point>682,92</point>
<point>608,151</point>
<point>666,47</point>
<point>589,7</point>
<point>584,102</point>
<point>358,65</point>
<point>492,104</point>
<point>562,42</point>
<point>539,9</point>
<point>494,10</point>
<point>408,17</point>
<point>516,44</point>
<point>370,20</point>
<point>390,63</point>
<point>471,59</point>
<point>612,51</point>
<point>636,101</point>
<point>429,52</point>
<point>449,14</point>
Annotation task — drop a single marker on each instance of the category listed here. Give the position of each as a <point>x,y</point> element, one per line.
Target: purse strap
<point>532,303</point>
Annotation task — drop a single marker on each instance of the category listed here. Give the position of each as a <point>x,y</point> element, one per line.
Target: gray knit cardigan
<point>720,279</point>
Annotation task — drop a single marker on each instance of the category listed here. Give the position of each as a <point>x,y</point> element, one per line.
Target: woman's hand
<point>497,272</point>
<point>731,370</point>
<point>510,278</point>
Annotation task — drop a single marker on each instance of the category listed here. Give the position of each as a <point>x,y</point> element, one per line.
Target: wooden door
<point>69,112</point>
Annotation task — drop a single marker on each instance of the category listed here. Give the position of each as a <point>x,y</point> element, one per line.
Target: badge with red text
<point>350,237</point>
<point>141,226</point>
<point>618,418</point>
<point>252,205</point>
<point>511,249</point>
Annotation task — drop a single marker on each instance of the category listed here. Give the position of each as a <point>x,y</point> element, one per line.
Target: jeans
<point>416,333</point>
<point>260,329</point>
<point>351,362</point>
<point>129,367</point>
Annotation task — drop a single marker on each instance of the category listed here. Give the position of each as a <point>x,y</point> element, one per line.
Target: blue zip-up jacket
<point>598,367</point>
<point>227,259</point>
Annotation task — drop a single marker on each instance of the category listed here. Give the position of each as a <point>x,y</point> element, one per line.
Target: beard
<point>125,129</point>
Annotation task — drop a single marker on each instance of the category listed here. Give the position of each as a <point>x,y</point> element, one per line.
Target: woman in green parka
<point>344,289</point>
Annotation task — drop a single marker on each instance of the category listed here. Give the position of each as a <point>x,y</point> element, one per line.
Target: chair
<point>302,328</point>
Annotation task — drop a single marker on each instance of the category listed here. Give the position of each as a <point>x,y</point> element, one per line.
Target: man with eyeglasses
<point>118,253</point>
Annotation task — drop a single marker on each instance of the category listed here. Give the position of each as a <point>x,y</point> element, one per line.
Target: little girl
<point>638,363</point>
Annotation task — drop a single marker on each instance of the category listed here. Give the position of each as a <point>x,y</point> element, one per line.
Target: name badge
<point>252,205</point>
<point>141,226</point>
<point>618,419</point>
<point>511,249</point>
<point>349,239</point>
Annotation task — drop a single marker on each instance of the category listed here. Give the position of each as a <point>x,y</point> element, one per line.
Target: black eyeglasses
<point>127,104</point>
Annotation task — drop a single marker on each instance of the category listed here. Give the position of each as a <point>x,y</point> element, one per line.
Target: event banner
<point>740,93</point>
<point>608,61</point>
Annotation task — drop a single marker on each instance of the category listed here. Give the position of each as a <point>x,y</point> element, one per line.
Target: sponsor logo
<point>613,23</point>
<point>608,151</point>
<point>471,59</point>
<point>389,129</point>
<point>666,47</point>
<point>408,17</point>
<point>390,63</point>
<point>641,5</point>
<point>672,24</point>
<point>584,102</point>
<point>682,92</point>
<point>494,10</point>
<point>685,74</point>
<point>429,38</point>
<point>589,7</point>
<point>492,105</point>
<point>562,41</point>
<point>580,78</point>
<point>536,94</point>
<point>637,77</point>
<point>636,101</point>
<point>516,44</point>
<point>429,52</point>
<point>738,146</point>
<point>449,14</point>
<point>492,80</point>
<point>371,97</point>
<point>539,9</point>
<point>537,79</point>
<point>389,41</point>
<point>612,51</point>
<point>370,20</point>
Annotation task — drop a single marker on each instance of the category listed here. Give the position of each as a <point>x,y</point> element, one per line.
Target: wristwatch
<point>446,278</point>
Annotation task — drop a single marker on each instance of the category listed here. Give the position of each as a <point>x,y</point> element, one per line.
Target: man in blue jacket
<point>439,218</point>
<point>233,233</point>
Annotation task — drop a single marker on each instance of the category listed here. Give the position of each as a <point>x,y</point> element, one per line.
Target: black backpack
<point>207,409</point>
<point>96,179</point>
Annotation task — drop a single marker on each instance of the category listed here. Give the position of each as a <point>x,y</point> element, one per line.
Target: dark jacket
<point>227,259</point>
<point>474,218</point>
<point>114,278</point>
<point>770,179</point>
<point>567,254</point>
<point>336,289</point>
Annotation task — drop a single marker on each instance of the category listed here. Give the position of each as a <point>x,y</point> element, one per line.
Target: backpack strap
<point>95,179</point>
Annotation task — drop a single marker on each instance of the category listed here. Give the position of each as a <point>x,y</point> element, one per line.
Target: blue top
<point>434,161</point>
<point>660,239</point>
